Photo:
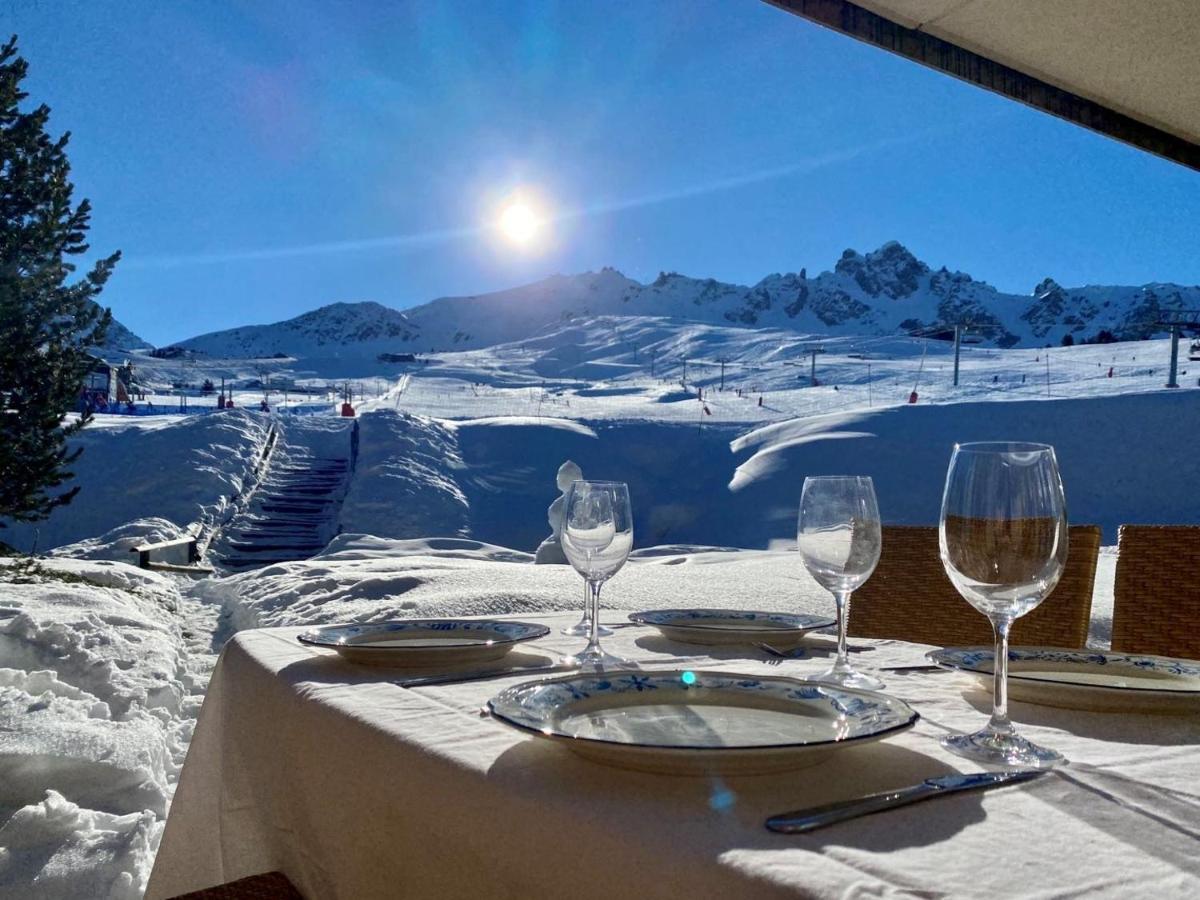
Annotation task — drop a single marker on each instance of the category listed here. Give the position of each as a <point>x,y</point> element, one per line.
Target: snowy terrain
<point>639,367</point>
<point>101,681</point>
<point>437,504</point>
<point>882,292</point>
<point>120,339</point>
<point>183,470</point>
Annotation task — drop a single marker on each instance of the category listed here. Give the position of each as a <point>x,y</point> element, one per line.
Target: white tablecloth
<point>357,788</point>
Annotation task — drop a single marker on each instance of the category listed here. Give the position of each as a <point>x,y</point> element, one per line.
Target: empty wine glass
<point>597,535</point>
<point>1003,539</point>
<point>839,539</point>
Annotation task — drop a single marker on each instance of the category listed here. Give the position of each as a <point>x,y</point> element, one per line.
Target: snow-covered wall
<point>1125,459</point>
<point>492,479</point>
<point>405,482</point>
<point>165,468</point>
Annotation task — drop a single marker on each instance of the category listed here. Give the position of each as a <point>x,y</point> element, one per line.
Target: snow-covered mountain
<point>886,291</point>
<point>333,331</point>
<point>121,338</point>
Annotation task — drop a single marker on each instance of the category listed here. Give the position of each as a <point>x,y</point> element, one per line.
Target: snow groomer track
<point>294,511</point>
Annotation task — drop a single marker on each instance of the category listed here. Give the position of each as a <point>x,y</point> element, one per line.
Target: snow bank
<point>539,421</point>
<point>493,479</point>
<point>55,849</point>
<point>175,471</point>
<point>1111,476</point>
<point>364,578</point>
<point>96,706</point>
<point>118,543</point>
<point>404,484</point>
<point>418,476</point>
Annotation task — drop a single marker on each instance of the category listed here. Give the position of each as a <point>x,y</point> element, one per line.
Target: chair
<point>1156,597</point>
<point>910,597</point>
<point>267,886</point>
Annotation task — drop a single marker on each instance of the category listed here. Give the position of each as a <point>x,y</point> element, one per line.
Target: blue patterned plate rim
<point>507,706</point>
<point>337,637</point>
<point>694,618</point>
<point>972,659</point>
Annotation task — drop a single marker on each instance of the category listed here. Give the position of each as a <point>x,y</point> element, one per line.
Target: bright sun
<point>519,223</point>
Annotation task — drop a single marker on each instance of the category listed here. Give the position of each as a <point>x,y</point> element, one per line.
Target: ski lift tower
<point>959,330</point>
<point>721,361</point>
<point>1176,322</point>
<point>812,351</point>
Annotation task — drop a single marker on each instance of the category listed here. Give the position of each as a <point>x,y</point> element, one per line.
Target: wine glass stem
<point>594,613</point>
<point>841,600</point>
<point>999,723</point>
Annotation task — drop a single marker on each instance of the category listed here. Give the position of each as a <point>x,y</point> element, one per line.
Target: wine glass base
<point>598,661</point>
<point>996,749</point>
<point>850,678</point>
<point>583,628</point>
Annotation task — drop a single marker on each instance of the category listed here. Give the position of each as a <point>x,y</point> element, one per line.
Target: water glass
<point>839,538</point>
<point>597,536</point>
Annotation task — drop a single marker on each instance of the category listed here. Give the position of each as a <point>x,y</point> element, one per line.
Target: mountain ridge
<point>119,338</point>
<point>887,290</point>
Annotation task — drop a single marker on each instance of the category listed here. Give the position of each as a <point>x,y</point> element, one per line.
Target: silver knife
<point>804,820</point>
<point>429,680</point>
<point>463,677</point>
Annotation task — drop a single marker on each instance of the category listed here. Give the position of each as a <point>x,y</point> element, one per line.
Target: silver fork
<point>778,654</point>
<point>775,656</point>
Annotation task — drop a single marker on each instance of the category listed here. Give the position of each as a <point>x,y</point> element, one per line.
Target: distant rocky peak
<point>952,285</point>
<point>893,250</point>
<point>1047,287</point>
<point>606,275</point>
<point>891,270</point>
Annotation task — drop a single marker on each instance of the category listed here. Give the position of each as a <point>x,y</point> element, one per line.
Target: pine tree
<point>47,325</point>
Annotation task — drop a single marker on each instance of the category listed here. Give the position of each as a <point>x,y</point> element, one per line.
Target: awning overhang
<point>1129,69</point>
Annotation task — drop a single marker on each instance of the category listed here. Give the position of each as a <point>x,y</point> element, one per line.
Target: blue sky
<point>257,160</point>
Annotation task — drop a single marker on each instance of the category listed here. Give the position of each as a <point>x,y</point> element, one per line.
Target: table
<point>357,788</point>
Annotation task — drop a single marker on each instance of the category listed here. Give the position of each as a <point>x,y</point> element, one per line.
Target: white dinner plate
<point>1086,679</point>
<point>699,723</point>
<point>424,642</point>
<point>731,626</point>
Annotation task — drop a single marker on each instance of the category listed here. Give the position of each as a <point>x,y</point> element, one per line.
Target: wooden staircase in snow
<point>293,514</point>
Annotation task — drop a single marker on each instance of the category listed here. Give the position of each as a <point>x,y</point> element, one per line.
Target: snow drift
<point>176,470</point>
<point>97,698</point>
<point>1111,476</point>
